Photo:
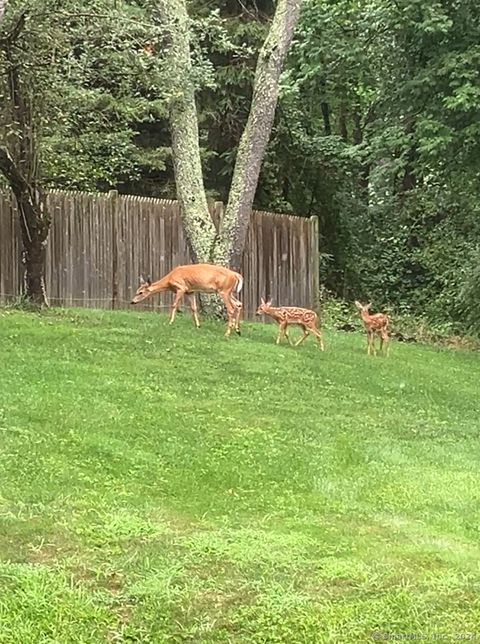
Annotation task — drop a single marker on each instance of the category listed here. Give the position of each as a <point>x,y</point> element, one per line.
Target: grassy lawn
<point>165,484</point>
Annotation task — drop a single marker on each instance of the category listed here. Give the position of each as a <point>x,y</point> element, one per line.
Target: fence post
<point>113,198</point>
<point>315,261</point>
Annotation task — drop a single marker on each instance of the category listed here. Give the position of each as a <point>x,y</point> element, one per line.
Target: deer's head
<point>363,308</point>
<point>264,306</point>
<point>143,291</point>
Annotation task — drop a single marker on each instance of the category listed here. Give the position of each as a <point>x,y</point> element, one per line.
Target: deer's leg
<point>282,329</point>
<point>230,312</point>
<point>304,336</point>
<point>319,337</point>
<point>178,296</point>
<point>193,306</point>
<point>370,342</point>
<point>238,312</point>
<point>386,340</point>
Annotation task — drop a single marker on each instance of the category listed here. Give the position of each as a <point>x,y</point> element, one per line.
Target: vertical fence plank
<point>314,261</point>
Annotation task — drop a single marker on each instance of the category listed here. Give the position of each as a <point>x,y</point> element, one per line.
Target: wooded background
<point>101,243</point>
<point>377,129</point>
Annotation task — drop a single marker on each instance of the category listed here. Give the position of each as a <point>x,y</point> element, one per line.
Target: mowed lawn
<point>165,484</point>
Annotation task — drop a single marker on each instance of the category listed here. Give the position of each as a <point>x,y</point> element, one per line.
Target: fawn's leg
<point>305,334</point>
<point>282,329</point>
<point>193,305</point>
<point>386,340</point>
<point>319,336</point>
<point>178,296</point>
<point>370,346</point>
<point>374,349</point>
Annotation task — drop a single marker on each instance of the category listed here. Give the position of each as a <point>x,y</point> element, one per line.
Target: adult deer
<point>286,315</point>
<point>198,278</point>
<point>376,324</point>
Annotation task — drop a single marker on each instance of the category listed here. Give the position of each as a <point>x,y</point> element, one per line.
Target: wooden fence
<point>100,243</point>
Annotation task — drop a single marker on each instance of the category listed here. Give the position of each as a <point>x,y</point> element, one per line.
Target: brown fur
<point>375,325</point>
<point>286,315</point>
<point>198,278</point>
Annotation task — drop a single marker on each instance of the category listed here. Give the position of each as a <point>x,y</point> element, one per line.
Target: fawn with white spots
<point>286,315</point>
<point>375,325</point>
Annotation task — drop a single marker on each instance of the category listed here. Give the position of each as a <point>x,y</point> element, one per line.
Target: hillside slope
<point>166,484</point>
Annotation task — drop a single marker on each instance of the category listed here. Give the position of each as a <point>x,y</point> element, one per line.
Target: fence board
<point>100,244</point>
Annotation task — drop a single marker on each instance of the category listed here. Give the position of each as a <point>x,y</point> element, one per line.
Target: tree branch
<point>9,39</point>
<point>257,132</point>
<point>10,171</point>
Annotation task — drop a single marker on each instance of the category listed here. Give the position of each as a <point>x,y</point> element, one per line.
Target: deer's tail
<point>239,284</point>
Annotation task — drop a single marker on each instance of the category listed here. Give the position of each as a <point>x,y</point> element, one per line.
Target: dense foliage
<point>377,129</point>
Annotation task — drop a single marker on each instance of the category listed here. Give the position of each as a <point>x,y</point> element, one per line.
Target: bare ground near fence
<point>100,244</point>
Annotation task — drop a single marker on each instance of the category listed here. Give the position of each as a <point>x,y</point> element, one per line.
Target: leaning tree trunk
<point>231,241</point>
<point>198,224</point>
<point>34,224</point>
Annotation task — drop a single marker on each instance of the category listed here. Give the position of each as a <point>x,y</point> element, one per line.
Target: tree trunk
<point>409,178</point>
<point>325,108</point>
<point>34,255</point>
<point>231,240</point>
<point>198,224</point>
<point>21,171</point>
<point>34,224</point>
<point>357,135</point>
<point>327,128</point>
<point>342,120</point>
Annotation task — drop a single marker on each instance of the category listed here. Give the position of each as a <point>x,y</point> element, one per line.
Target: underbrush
<point>404,327</point>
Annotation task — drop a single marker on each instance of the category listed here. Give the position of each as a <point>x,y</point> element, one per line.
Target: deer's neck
<point>365,317</point>
<point>274,312</point>
<point>160,285</point>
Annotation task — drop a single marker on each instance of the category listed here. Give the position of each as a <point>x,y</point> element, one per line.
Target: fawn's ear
<point>262,301</point>
<point>368,305</point>
<point>149,281</point>
<point>357,304</point>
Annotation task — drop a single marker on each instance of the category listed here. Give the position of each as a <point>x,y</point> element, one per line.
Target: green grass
<point>165,484</point>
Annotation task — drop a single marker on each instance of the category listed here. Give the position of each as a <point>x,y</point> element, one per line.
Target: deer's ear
<point>369,305</point>
<point>149,281</point>
<point>262,301</point>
